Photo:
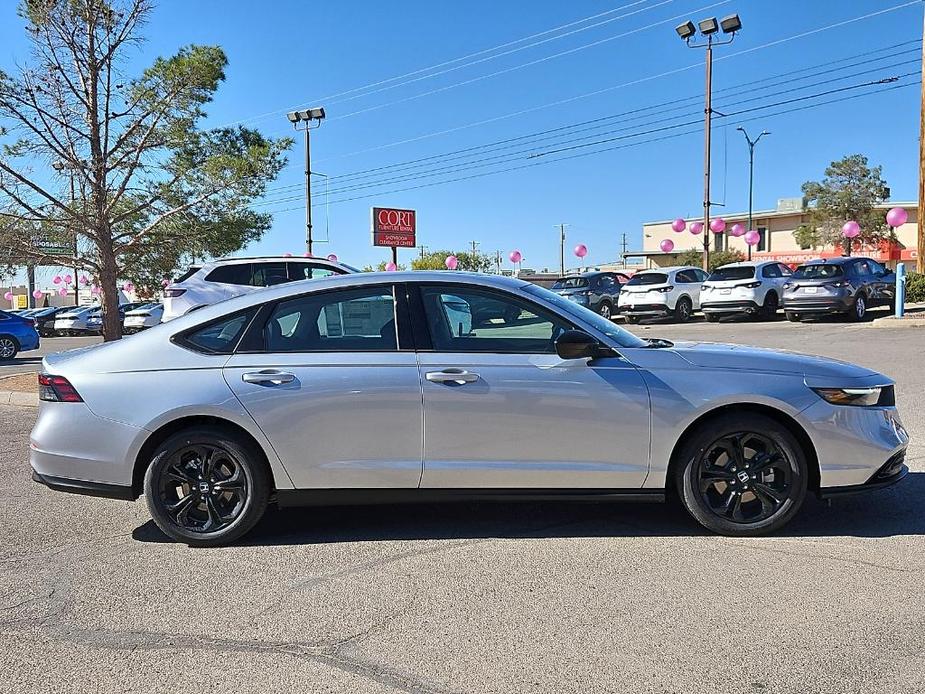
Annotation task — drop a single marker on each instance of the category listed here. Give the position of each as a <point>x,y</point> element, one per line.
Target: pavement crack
<point>831,557</point>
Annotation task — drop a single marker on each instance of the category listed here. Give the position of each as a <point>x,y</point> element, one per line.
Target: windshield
<point>570,283</point>
<point>648,278</point>
<point>818,272</point>
<point>622,337</point>
<point>737,272</point>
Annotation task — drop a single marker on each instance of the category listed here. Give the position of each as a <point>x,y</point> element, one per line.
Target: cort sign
<point>393,227</point>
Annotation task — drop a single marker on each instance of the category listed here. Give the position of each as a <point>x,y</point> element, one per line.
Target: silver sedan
<point>400,387</point>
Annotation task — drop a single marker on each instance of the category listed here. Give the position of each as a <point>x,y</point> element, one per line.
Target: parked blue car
<point>17,334</point>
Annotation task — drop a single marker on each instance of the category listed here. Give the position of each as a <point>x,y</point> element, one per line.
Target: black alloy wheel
<point>605,310</point>
<point>683,309</point>
<point>744,475</point>
<point>206,486</point>
<point>859,310</point>
<point>793,317</point>
<point>770,306</point>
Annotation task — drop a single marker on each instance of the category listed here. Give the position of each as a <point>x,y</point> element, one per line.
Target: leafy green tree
<point>135,187</point>
<point>694,257</point>
<point>807,236</point>
<point>469,261</point>
<point>380,267</point>
<point>849,190</point>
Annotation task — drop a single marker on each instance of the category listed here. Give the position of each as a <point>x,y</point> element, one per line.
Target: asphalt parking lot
<point>478,597</point>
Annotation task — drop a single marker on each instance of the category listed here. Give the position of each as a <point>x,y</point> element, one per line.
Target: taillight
<point>174,292</point>
<point>751,285</point>
<point>665,290</point>
<point>57,389</point>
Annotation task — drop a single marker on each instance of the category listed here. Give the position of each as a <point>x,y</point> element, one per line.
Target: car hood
<point>755,359</point>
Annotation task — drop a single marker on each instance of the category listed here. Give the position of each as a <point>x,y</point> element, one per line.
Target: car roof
<point>670,268</point>
<point>268,259</point>
<point>840,260</point>
<point>750,263</point>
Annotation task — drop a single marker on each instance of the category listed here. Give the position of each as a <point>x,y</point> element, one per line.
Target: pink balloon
<point>667,245</point>
<point>37,294</point>
<point>84,280</point>
<point>516,256</point>
<point>897,217</point>
<point>697,228</point>
<point>851,229</point>
<point>332,258</point>
<point>62,292</point>
<point>752,238</point>
<point>678,225</point>
<point>128,287</point>
<point>718,225</point>
<point>307,255</point>
<point>581,250</point>
<point>287,255</point>
<point>57,279</point>
<point>738,230</point>
<point>451,262</point>
<point>95,290</point>
<point>390,266</point>
<point>8,296</point>
<point>68,279</point>
<point>165,283</point>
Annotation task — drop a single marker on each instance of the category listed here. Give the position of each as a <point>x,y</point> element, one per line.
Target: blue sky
<point>293,54</point>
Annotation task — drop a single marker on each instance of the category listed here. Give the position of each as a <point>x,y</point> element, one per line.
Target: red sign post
<point>394,228</point>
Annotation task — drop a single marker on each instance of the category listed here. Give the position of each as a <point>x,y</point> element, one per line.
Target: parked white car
<point>229,277</point>
<point>146,316</point>
<point>74,321</point>
<point>666,291</point>
<point>748,287</point>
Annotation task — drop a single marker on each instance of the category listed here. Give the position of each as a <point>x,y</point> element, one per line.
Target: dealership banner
<point>393,227</point>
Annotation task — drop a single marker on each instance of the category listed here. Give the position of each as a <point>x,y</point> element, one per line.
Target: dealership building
<point>776,228</point>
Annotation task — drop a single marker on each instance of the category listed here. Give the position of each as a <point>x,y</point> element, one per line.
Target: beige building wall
<point>779,241</point>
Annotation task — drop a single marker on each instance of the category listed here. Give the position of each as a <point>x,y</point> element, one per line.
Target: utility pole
<point>562,250</point>
<point>423,249</point>
<point>475,247</point>
<point>498,261</point>
<point>920,216</point>
<point>623,255</point>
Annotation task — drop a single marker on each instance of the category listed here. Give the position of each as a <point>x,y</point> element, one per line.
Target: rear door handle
<point>451,376</point>
<point>269,376</point>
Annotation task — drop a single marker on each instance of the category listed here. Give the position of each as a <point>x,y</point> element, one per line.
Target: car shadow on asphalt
<point>884,513</point>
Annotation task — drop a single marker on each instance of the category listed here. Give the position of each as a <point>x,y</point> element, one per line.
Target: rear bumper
<point>109,491</point>
<point>730,306</point>
<point>644,309</point>
<point>835,304</point>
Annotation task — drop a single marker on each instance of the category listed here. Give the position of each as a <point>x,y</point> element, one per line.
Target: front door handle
<point>269,376</point>
<point>451,376</point>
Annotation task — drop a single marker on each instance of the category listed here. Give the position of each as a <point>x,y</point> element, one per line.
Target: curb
<point>19,398</point>
<point>894,322</point>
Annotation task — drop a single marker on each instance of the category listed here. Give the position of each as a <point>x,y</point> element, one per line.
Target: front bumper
<point>889,474</point>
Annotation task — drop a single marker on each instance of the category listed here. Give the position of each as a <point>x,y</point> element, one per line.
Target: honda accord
<point>351,389</point>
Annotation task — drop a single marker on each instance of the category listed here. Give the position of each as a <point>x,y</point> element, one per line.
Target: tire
<point>633,320</point>
<point>709,480</point>
<point>858,310</point>
<point>9,347</point>
<point>712,317</point>
<point>770,306</point>
<point>683,309</point>
<point>793,317</point>
<point>605,310</point>
<point>174,472</point>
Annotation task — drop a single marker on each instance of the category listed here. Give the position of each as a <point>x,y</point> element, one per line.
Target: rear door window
<point>269,274</point>
<point>236,273</point>
<point>302,270</point>
<point>220,336</point>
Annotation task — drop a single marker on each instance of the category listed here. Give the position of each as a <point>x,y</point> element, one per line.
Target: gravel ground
<point>477,597</point>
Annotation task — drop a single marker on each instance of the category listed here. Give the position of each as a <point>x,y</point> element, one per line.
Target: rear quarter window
<point>219,336</point>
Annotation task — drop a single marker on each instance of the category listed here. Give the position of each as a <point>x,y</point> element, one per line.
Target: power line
<point>542,162</point>
<point>453,61</point>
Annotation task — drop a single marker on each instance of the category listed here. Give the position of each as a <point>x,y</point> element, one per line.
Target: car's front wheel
<point>683,309</point>
<point>742,474</point>
<point>605,310</point>
<point>712,317</point>
<point>859,311</point>
<point>206,486</point>
<point>793,317</point>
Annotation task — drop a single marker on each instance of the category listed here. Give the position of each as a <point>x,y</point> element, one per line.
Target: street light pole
<point>303,120</point>
<point>708,27</point>
<point>562,250</point>
<point>751,173</point>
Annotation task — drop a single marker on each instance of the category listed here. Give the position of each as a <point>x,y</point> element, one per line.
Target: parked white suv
<point>666,291</point>
<point>229,277</point>
<point>748,287</point>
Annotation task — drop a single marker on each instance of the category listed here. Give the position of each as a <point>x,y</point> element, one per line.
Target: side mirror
<point>576,344</point>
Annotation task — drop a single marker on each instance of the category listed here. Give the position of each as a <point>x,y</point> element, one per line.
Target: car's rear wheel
<point>793,317</point>
<point>711,317</point>
<point>859,310</point>
<point>742,474</point>
<point>770,306</point>
<point>683,309</point>
<point>206,486</point>
<point>9,347</point>
<point>605,310</point>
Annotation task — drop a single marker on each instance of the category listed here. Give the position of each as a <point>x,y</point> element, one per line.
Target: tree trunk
<point>112,326</point>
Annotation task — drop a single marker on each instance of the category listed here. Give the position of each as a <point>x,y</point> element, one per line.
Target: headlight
<point>859,397</point>
<point>788,285</point>
<point>705,287</point>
